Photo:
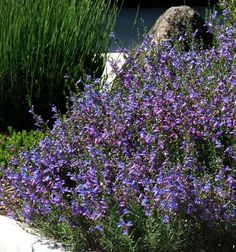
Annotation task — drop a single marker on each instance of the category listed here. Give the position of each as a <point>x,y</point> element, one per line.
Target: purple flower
<point>162,138</point>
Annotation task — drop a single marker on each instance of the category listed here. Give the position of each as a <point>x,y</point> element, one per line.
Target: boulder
<point>18,237</point>
<point>182,21</point>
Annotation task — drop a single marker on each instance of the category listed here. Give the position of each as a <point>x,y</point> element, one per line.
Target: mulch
<point>7,199</point>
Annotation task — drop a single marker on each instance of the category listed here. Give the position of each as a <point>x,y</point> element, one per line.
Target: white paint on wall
<point>117,59</point>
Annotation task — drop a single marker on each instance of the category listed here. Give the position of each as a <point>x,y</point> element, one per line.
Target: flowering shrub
<point>156,154</point>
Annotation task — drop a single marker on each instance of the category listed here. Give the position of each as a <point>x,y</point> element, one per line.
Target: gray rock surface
<point>180,20</point>
<point>16,237</point>
<point>176,22</point>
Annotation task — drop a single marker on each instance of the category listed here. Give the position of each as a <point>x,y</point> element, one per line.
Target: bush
<point>12,143</point>
<point>150,167</point>
<point>45,47</point>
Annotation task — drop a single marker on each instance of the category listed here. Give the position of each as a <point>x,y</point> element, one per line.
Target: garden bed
<point>146,165</point>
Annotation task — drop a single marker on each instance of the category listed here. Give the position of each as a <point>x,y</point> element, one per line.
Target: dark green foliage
<point>45,47</point>
<point>12,143</point>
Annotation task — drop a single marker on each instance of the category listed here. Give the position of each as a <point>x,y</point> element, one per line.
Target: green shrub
<point>150,167</point>
<point>12,143</point>
<point>45,47</point>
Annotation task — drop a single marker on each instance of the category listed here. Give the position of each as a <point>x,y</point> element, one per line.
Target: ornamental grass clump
<point>45,47</point>
<point>148,166</point>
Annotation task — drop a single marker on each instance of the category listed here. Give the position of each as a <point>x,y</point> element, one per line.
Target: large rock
<point>179,21</point>
<point>17,237</point>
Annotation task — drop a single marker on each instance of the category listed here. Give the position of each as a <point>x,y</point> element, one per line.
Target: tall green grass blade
<point>42,41</point>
